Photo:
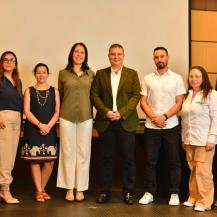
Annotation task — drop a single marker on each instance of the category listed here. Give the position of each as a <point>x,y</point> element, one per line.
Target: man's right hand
<point>158,121</point>
<point>113,116</point>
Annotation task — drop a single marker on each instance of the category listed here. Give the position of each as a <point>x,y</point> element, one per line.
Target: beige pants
<point>74,156</point>
<point>201,187</point>
<point>9,139</point>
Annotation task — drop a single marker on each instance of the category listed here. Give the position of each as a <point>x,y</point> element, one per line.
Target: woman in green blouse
<point>75,123</point>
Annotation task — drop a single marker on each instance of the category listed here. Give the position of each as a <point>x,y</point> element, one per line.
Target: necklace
<point>39,97</point>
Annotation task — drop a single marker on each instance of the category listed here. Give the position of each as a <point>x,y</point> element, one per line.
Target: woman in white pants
<point>75,123</point>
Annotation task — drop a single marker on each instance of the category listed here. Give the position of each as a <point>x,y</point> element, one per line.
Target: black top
<point>9,96</point>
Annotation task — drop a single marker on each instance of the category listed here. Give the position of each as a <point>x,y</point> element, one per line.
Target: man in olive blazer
<point>115,93</point>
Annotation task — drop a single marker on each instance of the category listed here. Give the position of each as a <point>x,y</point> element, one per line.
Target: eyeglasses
<point>12,60</point>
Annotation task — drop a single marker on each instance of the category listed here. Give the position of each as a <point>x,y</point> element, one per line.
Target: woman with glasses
<point>41,108</point>
<point>75,123</point>
<point>10,120</point>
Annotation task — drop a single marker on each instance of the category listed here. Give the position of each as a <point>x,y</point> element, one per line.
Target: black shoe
<point>103,198</point>
<point>128,198</point>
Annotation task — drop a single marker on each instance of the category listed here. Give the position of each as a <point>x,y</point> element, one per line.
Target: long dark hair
<point>84,65</point>
<point>206,86</point>
<point>15,73</point>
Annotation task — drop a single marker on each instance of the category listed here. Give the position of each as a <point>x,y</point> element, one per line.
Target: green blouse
<point>75,95</point>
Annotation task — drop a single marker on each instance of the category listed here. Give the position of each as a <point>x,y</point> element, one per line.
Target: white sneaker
<point>174,200</point>
<point>188,204</point>
<point>201,209</point>
<point>146,199</point>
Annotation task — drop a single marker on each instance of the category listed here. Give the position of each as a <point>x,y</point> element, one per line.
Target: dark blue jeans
<point>154,139</point>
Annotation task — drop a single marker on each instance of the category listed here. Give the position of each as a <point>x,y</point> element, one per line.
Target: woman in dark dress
<point>41,108</point>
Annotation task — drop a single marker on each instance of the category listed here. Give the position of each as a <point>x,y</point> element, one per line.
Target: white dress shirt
<point>115,79</point>
<point>161,92</point>
<point>199,119</point>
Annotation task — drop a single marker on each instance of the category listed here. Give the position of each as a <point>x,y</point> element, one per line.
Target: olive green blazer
<point>128,96</point>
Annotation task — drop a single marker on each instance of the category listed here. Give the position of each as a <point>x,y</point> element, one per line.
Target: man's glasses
<point>12,60</point>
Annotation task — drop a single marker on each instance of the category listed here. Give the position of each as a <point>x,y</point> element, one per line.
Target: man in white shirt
<point>115,93</point>
<point>161,99</point>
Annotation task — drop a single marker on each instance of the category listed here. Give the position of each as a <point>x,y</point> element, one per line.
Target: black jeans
<point>114,136</point>
<point>153,140</point>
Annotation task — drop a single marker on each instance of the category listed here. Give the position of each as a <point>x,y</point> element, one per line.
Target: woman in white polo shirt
<point>199,134</point>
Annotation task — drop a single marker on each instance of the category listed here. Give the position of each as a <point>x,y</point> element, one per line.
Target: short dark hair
<point>70,63</point>
<point>39,65</point>
<point>206,86</point>
<point>161,48</point>
<point>116,45</point>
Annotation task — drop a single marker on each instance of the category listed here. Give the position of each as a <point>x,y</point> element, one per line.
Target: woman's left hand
<point>44,129</point>
<point>209,146</point>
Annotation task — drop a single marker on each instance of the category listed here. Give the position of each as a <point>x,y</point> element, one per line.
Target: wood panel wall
<point>204,36</point>
<point>205,5</point>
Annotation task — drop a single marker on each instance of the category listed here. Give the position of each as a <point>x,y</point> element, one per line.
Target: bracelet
<point>165,115</point>
<point>38,124</point>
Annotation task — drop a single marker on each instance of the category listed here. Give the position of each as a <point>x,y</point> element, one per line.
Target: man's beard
<point>161,65</point>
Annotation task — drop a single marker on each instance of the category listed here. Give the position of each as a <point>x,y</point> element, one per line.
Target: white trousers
<point>9,139</point>
<point>74,156</point>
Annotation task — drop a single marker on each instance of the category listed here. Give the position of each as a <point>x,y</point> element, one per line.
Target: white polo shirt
<point>199,119</point>
<point>161,92</point>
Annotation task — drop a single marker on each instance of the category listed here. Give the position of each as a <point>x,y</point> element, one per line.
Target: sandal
<point>70,196</point>
<point>39,197</point>
<point>79,196</point>
<point>46,195</point>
